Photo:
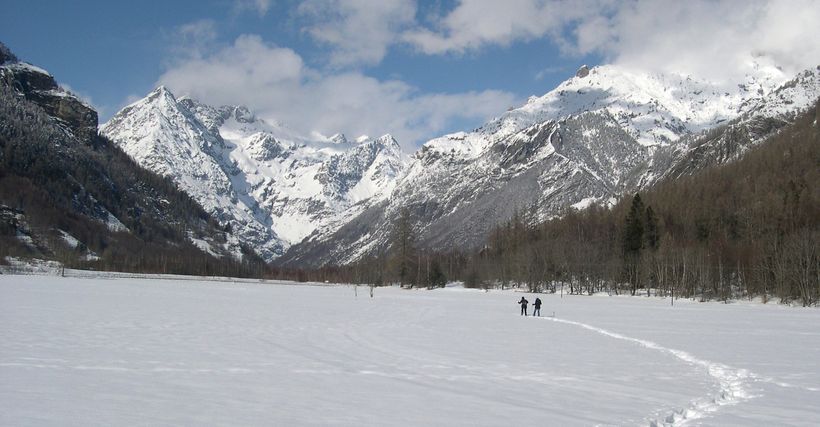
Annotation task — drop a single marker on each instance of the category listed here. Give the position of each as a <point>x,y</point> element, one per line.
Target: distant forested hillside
<point>749,228</point>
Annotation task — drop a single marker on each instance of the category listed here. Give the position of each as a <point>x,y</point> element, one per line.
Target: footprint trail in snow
<point>733,383</point>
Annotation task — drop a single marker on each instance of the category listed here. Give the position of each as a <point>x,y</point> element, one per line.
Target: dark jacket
<point>537,303</point>
<point>523,301</point>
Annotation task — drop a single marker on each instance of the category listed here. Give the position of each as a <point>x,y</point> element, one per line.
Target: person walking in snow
<point>536,310</point>
<point>523,303</point>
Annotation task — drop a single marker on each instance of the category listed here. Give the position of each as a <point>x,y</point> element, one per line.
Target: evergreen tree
<point>436,278</point>
<point>633,242</point>
<point>634,227</point>
<point>651,233</point>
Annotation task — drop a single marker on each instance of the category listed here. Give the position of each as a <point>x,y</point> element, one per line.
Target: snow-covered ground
<point>126,351</point>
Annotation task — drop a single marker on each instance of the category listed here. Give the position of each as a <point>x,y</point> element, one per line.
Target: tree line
<point>749,228</point>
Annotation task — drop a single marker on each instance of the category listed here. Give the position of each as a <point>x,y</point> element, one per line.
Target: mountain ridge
<point>270,184</point>
<point>538,161</point>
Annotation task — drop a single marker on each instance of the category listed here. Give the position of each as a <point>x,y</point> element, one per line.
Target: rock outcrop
<point>6,55</point>
<point>38,86</point>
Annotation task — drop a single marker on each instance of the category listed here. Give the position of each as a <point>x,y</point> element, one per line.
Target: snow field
<point>125,351</point>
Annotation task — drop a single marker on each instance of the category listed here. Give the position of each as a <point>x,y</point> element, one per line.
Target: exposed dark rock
<point>26,79</point>
<point>582,72</point>
<point>6,55</point>
<point>339,138</point>
<point>38,86</point>
<point>80,118</point>
<point>243,114</point>
<point>265,147</point>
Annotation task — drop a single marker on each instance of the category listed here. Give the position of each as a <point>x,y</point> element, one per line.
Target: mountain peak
<point>243,114</point>
<point>387,140</point>
<point>654,108</point>
<point>160,92</point>
<point>272,185</point>
<point>339,138</point>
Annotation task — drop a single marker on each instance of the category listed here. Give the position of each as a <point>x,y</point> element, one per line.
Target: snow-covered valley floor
<point>95,351</point>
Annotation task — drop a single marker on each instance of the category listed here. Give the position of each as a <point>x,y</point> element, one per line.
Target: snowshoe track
<point>733,383</point>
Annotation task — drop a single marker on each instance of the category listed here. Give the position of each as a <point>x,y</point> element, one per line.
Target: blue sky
<point>417,69</point>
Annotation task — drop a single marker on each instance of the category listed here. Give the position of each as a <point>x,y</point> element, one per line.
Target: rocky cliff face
<point>38,86</point>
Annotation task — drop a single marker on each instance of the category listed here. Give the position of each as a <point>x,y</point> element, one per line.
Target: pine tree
<point>633,242</point>
<point>634,227</point>
<point>651,240</point>
<point>651,233</point>
<point>436,278</point>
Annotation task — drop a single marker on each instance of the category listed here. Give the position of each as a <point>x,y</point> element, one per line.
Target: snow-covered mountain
<point>271,185</point>
<point>652,108</point>
<point>602,133</point>
<point>598,135</point>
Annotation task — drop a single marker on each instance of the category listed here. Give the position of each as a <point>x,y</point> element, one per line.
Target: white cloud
<point>713,39</point>
<point>204,29</point>
<point>359,31</point>
<point>275,82</point>
<point>247,71</point>
<point>259,6</point>
<point>550,70</point>
<point>193,38</point>
<point>474,24</point>
<point>706,38</point>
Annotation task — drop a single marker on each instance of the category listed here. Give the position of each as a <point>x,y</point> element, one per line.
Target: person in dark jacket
<point>536,310</point>
<point>523,303</point>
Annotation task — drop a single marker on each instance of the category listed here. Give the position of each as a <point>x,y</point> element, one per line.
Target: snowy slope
<point>183,352</point>
<point>759,118</point>
<point>270,184</point>
<point>603,133</point>
<point>794,95</point>
<point>163,136</point>
<point>652,108</point>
